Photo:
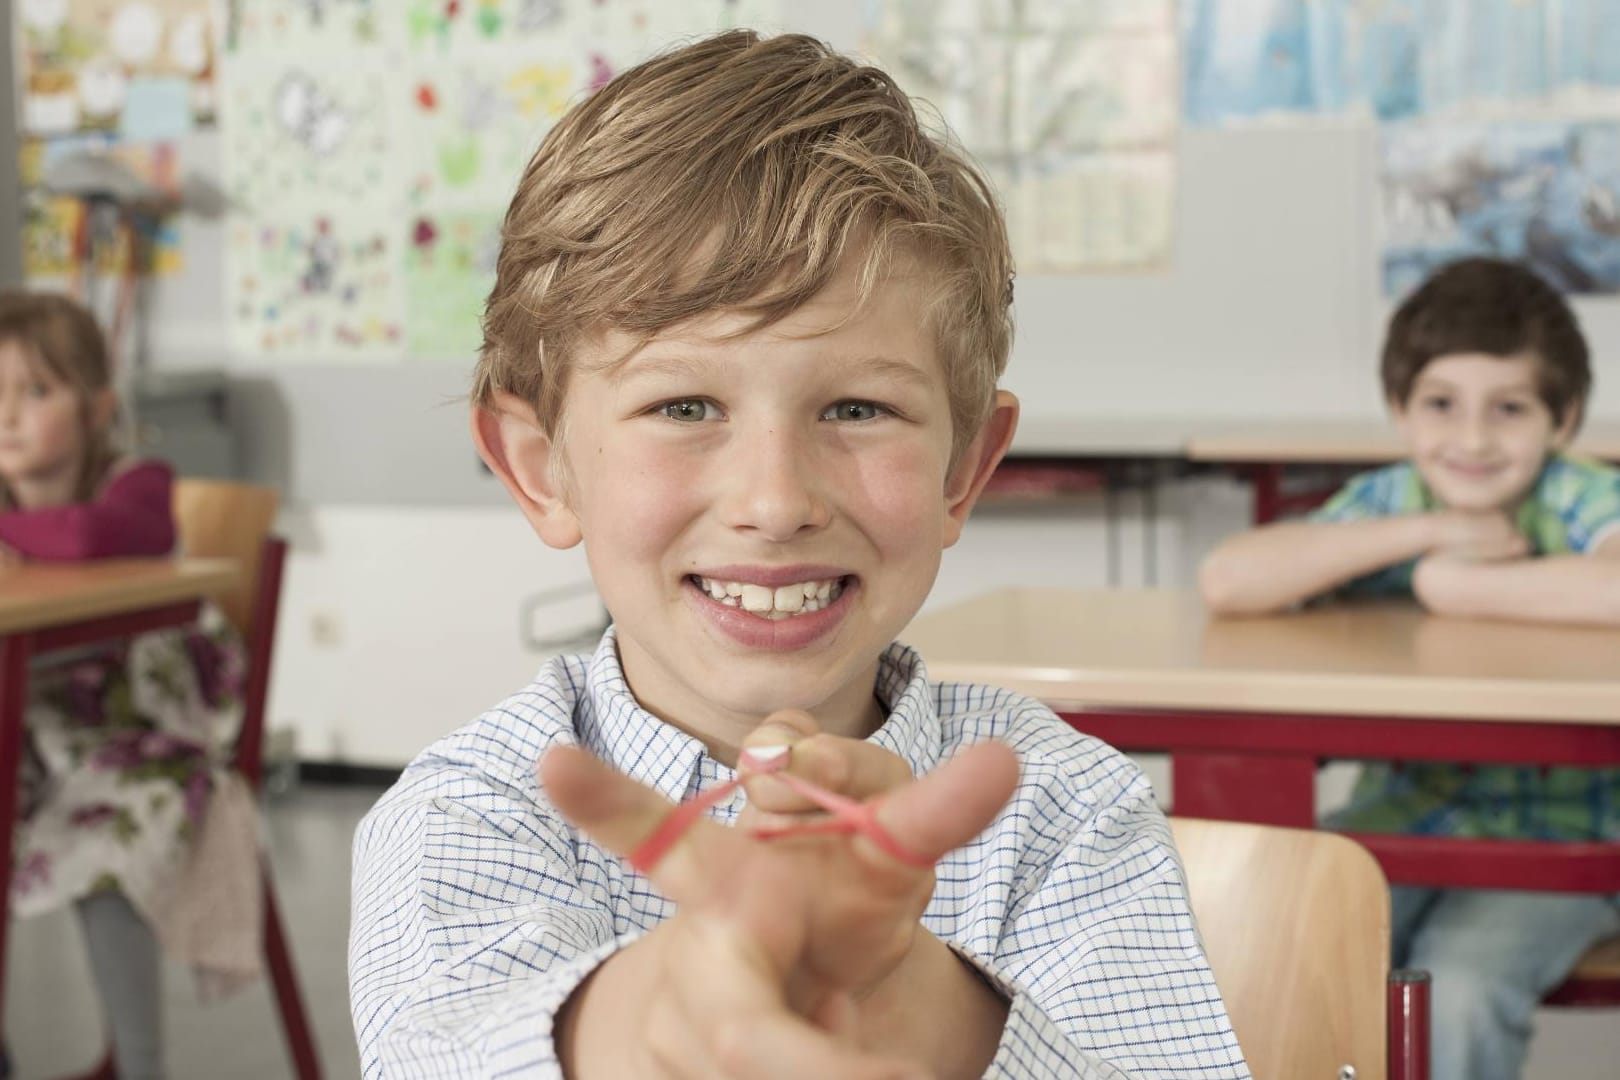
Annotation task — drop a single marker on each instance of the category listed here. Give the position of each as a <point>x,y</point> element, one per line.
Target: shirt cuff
<point>1033,1046</point>
<point>563,981</point>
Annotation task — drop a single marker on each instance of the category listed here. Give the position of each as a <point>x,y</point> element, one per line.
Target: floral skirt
<point>124,747</point>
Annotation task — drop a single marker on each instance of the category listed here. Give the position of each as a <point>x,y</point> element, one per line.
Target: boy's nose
<point>774,489</point>
<point>1475,434</point>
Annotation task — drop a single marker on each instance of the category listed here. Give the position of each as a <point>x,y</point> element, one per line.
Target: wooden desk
<point>1262,451</point>
<point>44,608</point>
<point>1248,708</point>
<point>1342,442</point>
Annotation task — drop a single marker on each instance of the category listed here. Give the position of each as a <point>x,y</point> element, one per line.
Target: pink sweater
<point>130,516</point>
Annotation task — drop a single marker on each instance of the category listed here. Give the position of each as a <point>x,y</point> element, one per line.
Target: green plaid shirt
<point>1574,506</point>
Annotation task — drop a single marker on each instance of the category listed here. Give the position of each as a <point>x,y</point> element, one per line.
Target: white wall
<point>400,624</point>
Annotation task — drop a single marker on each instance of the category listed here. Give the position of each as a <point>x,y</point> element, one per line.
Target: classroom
<point>1232,535</point>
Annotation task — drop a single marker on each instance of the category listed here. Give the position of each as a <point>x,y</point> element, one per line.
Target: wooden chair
<point>1595,982</point>
<point>1296,926</point>
<point>227,520</point>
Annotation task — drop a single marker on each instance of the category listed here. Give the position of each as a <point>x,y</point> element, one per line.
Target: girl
<point>125,745</point>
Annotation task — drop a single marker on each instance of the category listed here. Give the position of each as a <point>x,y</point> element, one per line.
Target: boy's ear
<point>979,459</point>
<point>1568,424</point>
<point>510,440</point>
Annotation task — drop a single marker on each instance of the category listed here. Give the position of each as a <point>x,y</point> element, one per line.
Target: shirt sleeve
<point>1595,516</point>
<point>1103,965</point>
<point>1362,498</point>
<point>131,516</point>
<point>1370,496</point>
<point>470,930</point>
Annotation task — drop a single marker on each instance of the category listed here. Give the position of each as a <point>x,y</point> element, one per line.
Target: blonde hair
<point>62,336</point>
<point>738,173</point>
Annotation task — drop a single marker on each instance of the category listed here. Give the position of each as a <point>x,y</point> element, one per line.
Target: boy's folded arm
<point>1566,588</point>
<point>1275,567</point>
<point>470,932</point>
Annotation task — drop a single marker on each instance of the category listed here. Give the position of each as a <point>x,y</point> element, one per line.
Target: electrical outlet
<point>325,629</point>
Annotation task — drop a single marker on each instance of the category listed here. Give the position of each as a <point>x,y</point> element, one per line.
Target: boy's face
<point>763,514</point>
<point>1478,430</point>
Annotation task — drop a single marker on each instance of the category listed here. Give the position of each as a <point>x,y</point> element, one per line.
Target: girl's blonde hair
<point>737,173</point>
<point>62,336</point>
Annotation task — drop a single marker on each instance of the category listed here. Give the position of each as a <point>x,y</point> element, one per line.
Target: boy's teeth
<point>778,603</point>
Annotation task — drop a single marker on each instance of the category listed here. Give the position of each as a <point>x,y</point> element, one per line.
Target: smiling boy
<point>1487,374</point>
<point>743,345</point>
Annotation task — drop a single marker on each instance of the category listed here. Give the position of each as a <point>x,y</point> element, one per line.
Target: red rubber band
<point>848,817</point>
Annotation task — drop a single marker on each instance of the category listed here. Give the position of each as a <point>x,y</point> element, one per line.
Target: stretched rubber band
<point>848,817</point>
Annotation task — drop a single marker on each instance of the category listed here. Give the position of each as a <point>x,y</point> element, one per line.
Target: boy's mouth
<point>780,602</point>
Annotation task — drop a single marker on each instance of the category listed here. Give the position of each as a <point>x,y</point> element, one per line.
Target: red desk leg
<point>1408,1025</point>
<point>1265,790</point>
<point>1267,484</point>
<point>14,651</point>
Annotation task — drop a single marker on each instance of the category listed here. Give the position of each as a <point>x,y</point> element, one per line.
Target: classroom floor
<point>53,1029</point>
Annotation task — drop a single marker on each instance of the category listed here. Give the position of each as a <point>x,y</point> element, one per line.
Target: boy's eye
<point>39,390</point>
<point>1437,403</point>
<point>857,411</point>
<point>1513,408</point>
<point>689,410</point>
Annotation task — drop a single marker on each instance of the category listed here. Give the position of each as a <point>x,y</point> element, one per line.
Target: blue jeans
<point>1491,954</point>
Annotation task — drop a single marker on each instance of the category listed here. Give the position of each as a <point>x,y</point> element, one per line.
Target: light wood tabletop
<point>1342,442</point>
<point>1159,649</point>
<point>38,595</point>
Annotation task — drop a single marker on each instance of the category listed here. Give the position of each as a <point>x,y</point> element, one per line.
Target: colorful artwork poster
<point>1070,107</point>
<point>1545,193</point>
<point>84,63</point>
<point>1248,60</point>
<point>256,27</point>
<point>474,123</point>
<point>53,225</point>
<point>315,286</point>
<point>449,270</point>
<point>309,130</point>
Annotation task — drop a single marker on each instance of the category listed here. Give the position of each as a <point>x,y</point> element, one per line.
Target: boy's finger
<point>620,814</point>
<point>853,768</point>
<point>952,804</point>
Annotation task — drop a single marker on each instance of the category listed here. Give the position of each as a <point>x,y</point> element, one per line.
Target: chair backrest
<point>218,519</point>
<point>225,520</point>
<point>1296,926</point>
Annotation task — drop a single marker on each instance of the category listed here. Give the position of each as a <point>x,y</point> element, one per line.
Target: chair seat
<point>1595,982</point>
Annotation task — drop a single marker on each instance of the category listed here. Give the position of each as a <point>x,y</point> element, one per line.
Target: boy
<point>1486,372</point>
<point>743,344</point>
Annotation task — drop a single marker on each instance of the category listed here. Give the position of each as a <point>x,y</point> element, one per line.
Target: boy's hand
<point>853,768</point>
<point>1478,536</point>
<point>819,918</point>
<point>9,557</point>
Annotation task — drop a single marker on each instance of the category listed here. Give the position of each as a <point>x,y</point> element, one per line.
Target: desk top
<point>34,596</point>
<point>1341,442</point>
<point>1160,649</point>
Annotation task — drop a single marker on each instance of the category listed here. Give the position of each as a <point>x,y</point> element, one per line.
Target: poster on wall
<point>1547,193</point>
<point>315,285</point>
<point>1069,107</point>
<point>371,147</point>
<point>54,226</point>
<point>143,68</point>
<point>1271,60</point>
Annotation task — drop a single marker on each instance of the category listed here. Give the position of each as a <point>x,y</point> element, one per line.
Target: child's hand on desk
<point>776,939</point>
<point>1473,536</point>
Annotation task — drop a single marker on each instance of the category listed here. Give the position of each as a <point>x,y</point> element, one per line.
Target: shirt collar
<point>614,726</point>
